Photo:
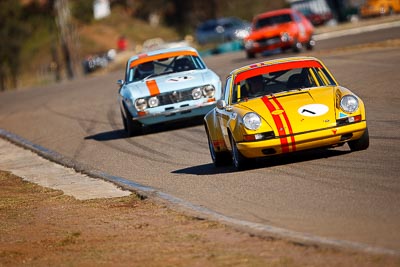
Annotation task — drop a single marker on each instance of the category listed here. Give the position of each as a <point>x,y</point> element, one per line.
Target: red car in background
<point>280,29</point>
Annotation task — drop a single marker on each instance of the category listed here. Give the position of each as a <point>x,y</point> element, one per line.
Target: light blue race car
<point>166,85</point>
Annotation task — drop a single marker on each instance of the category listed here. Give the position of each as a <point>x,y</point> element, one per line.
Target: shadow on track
<point>273,161</point>
<point>107,136</point>
<point>154,129</point>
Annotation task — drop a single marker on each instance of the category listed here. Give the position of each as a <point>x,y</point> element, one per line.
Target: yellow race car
<point>282,106</point>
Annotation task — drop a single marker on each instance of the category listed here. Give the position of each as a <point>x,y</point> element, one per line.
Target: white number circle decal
<point>313,110</point>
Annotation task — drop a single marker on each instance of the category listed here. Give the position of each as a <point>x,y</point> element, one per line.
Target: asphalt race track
<point>331,194</point>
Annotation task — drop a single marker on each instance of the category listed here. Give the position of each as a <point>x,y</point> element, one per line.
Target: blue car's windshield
<point>164,66</point>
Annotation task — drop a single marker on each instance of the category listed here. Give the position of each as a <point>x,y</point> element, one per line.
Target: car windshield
<point>270,21</point>
<point>164,66</point>
<point>280,81</point>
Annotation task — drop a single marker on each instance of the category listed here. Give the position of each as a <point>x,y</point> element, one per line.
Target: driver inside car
<point>144,70</point>
<point>254,86</point>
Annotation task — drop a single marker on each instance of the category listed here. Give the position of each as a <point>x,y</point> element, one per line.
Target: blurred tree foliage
<point>18,26</point>
<point>185,15</point>
<point>12,34</point>
<point>30,29</point>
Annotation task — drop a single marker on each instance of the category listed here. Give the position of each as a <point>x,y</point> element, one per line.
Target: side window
<point>329,78</point>
<point>198,63</point>
<point>130,75</point>
<point>296,17</point>
<point>226,92</point>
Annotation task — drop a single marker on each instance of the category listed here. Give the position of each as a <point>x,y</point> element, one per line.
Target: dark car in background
<point>222,30</point>
<point>316,11</point>
<point>317,18</point>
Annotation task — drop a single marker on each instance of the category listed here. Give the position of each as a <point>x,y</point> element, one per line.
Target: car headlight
<point>208,90</point>
<point>153,101</point>
<point>252,121</point>
<point>140,104</point>
<point>197,93</point>
<point>248,44</point>
<point>285,37</point>
<point>241,33</point>
<point>349,103</point>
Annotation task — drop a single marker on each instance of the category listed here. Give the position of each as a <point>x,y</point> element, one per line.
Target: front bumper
<point>182,112</point>
<point>268,45</point>
<point>315,139</point>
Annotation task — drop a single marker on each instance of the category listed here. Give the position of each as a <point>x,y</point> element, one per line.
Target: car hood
<point>271,31</point>
<point>168,83</point>
<point>296,112</point>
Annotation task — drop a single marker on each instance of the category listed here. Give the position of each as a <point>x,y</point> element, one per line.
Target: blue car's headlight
<point>349,103</point>
<point>252,121</point>
<point>208,90</point>
<point>197,93</point>
<point>140,104</point>
<point>153,101</point>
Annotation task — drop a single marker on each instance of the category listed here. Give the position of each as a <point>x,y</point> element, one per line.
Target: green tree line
<point>19,23</point>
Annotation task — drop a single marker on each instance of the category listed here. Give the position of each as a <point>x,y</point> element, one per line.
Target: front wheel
<point>250,55</point>
<point>239,161</point>
<point>360,144</point>
<point>297,46</point>
<point>131,127</point>
<point>310,44</point>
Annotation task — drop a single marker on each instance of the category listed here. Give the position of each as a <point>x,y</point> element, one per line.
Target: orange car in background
<point>280,29</point>
<point>379,7</point>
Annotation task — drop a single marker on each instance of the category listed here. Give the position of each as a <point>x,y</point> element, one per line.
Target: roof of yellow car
<point>272,62</point>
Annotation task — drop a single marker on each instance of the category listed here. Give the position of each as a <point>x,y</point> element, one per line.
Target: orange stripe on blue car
<point>153,87</point>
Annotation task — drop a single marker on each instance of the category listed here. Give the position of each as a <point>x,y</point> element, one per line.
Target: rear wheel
<point>219,158</point>
<point>239,161</point>
<point>360,144</point>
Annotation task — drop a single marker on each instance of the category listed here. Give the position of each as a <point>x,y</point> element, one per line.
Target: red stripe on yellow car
<point>153,87</point>
<point>287,123</point>
<point>278,123</point>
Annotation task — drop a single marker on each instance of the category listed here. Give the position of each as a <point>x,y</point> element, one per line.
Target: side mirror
<point>120,82</point>
<point>221,104</point>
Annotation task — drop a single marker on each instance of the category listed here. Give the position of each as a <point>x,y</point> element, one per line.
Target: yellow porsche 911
<point>282,106</point>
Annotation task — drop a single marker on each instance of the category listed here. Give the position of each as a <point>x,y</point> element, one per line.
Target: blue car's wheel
<point>131,127</point>
<point>124,121</point>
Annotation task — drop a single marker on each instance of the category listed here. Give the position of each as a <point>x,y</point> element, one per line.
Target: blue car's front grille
<point>175,97</point>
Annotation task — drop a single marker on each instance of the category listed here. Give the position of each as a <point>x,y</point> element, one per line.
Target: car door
<point>224,114</point>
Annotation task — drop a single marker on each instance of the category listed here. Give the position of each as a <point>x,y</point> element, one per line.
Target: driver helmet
<point>146,69</point>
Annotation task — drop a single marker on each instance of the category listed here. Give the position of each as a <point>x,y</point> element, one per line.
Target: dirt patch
<point>43,227</point>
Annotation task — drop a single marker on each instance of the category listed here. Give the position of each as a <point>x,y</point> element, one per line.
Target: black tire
<point>297,46</point>
<point>123,120</point>
<point>219,158</point>
<point>360,144</point>
<point>131,127</point>
<point>250,55</point>
<point>239,161</point>
<point>310,44</point>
